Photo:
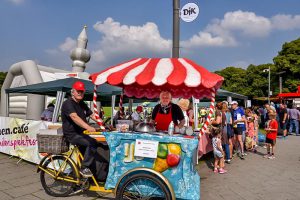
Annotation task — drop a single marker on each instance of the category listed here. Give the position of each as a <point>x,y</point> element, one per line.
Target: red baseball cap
<point>78,85</point>
<point>139,108</point>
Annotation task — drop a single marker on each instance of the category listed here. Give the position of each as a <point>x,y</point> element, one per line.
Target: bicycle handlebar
<point>97,132</point>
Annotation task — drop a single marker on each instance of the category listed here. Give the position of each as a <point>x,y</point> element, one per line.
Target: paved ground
<point>257,177</point>
<point>253,178</point>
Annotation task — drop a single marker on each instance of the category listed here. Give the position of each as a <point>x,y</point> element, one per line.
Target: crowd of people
<point>235,130</point>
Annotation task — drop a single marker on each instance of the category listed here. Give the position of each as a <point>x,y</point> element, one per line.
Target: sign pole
<point>176,33</point>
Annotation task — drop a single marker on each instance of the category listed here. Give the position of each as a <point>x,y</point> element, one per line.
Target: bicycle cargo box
<point>49,143</point>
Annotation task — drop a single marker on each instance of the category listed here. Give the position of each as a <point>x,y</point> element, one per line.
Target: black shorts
<point>238,131</point>
<point>283,125</point>
<point>270,141</point>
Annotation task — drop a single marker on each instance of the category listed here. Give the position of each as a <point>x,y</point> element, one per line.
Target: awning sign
<point>189,12</point>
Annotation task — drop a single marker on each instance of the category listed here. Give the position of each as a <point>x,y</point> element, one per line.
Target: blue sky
<point>226,32</point>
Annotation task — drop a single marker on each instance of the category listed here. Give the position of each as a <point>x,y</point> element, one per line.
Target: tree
<point>234,79</point>
<point>253,82</point>
<point>288,60</point>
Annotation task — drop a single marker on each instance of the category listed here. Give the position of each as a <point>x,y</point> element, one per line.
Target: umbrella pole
<point>113,103</point>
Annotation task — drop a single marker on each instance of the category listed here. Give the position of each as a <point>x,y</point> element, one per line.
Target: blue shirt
<point>238,113</point>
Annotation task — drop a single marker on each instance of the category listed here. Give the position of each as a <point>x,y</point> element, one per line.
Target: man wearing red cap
<point>74,113</point>
<point>136,114</point>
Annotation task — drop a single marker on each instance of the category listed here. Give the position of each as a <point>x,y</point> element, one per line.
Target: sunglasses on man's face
<point>80,91</point>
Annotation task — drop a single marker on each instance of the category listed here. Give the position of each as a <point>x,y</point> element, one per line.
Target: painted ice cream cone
<point>160,165</point>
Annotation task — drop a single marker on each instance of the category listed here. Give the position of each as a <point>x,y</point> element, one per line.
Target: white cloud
<point>203,39</point>
<point>221,32</point>
<point>285,22</point>
<point>68,45</point>
<point>129,41</point>
<point>17,2</point>
<point>247,22</point>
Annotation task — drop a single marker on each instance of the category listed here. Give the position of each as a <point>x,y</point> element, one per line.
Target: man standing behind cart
<point>165,112</point>
<point>74,113</point>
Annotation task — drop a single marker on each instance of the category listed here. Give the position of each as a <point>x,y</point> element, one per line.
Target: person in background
<point>74,113</point>
<point>203,115</point>
<point>271,135</point>
<point>272,106</point>
<point>136,115</point>
<point>184,105</point>
<point>230,134</point>
<point>218,152</point>
<point>294,116</point>
<point>120,115</point>
<point>166,111</point>
<point>48,113</point>
<point>251,128</point>
<point>220,123</point>
<point>190,113</point>
<point>283,119</point>
<point>238,127</point>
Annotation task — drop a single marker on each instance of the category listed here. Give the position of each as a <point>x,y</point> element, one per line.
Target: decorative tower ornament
<point>80,55</point>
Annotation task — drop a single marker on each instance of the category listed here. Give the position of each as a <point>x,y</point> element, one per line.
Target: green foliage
<point>253,81</point>
<point>288,60</point>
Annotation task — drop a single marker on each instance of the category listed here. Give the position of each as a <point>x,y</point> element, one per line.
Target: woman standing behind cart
<point>166,111</point>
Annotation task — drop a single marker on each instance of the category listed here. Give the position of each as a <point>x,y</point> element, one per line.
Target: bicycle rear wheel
<point>143,186</point>
<point>58,167</point>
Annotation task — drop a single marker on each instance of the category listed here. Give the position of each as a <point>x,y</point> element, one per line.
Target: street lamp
<point>280,80</point>
<point>268,70</point>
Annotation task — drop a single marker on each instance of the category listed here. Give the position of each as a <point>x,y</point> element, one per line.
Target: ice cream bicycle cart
<point>141,165</point>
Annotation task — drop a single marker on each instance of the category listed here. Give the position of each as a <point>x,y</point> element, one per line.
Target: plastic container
<point>171,128</point>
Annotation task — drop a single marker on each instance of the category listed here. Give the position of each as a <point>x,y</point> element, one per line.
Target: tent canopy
<point>147,77</point>
<point>65,85</point>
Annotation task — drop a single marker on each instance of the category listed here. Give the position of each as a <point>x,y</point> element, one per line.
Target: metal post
<point>280,84</point>
<point>113,104</point>
<point>280,80</point>
<point>269,85</point>
<point>176,23</point>
<point>7,105</point>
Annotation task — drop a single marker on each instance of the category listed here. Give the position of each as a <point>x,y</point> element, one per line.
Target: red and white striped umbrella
<point>147,77</point>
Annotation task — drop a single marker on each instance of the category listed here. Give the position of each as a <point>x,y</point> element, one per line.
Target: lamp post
<point>269,77</point>
<point>176,24</point>
<point>280,80</point>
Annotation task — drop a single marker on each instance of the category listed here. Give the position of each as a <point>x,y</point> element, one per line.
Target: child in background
<point>218,152</point>
<point>250,134</point>
<point>271,130</point>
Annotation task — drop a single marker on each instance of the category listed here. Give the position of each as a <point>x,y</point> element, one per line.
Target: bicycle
<point>60,177</point>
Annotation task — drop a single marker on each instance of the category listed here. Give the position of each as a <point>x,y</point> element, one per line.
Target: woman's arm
<point>217,121</point>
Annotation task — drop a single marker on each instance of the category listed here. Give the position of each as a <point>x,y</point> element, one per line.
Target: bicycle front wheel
<point>143,186</point>
<point>59,177</point>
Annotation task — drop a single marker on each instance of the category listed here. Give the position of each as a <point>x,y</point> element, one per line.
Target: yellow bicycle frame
<point>73,153</point>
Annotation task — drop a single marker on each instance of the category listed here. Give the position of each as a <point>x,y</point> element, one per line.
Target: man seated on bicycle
<point>74,113</point>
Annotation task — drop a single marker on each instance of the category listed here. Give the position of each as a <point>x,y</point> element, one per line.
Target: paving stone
<point>4,196</point>
<point>28,197</point>
<point>24,190</point>
<point>5,186</point>
<point>42,195</point>
<point>29,179</point>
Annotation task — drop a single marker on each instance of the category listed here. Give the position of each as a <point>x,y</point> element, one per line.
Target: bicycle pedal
<point>77,191</point>
<point>85,184</point>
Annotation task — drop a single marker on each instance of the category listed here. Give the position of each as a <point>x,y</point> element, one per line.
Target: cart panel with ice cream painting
<point>174,160</point>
